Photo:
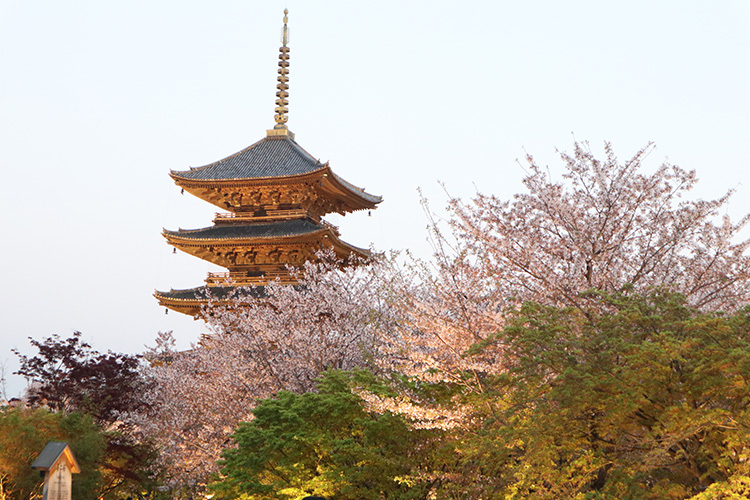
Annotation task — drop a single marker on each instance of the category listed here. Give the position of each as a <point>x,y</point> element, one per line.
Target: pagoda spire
<point>276,195</point>
<point>282,85</point>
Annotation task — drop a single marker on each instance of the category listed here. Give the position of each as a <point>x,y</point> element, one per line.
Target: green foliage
<point>69,376</point>
<point>23,435</point>
<point>638,398</point>
<point>641,398</point>
<point>128,467</point>
<point>325,443</point>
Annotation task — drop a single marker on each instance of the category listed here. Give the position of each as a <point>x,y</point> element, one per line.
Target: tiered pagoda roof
<point>276,194</point>
<point>274,161</point>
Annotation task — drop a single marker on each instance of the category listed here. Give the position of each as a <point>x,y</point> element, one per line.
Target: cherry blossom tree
<point>605,228</point>
<point>257,347</point>
<point>606,225</point>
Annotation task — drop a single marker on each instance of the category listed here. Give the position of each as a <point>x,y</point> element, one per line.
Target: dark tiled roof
<point>214,292</point>
<point>269,157</point>
<point>296,227</point>
<point>49,455</point>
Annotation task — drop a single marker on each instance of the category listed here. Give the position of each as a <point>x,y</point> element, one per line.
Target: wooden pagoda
<point>275,194</point>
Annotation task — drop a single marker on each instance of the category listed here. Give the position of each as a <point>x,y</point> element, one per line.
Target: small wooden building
<point>59,465</point>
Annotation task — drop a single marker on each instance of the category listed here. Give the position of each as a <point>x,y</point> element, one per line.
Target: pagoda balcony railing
<point>291,213</point>
<point>240,278</point>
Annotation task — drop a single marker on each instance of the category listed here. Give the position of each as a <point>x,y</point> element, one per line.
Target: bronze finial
<point>282,86</point>
<point>285,29</point>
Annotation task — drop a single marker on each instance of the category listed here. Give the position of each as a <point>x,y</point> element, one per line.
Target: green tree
<point>69,376</point>
<point>326,443</point>
<point>643,398</point>
<point>24,433</point>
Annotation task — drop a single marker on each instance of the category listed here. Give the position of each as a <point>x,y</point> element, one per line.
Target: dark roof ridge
<point>300,149</point>
<point>265,229</point>
<point>201,293</point>
<point>269,157</point>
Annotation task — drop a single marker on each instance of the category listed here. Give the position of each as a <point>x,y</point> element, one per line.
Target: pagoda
<point>275,195</point>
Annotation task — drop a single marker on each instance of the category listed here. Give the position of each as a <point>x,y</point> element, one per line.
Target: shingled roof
<point>280,229</point>
<point>52,453</point>
<point>269,157</point>
<point>215,292</point>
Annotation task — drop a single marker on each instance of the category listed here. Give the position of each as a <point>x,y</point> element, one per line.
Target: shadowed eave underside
<point>272,160</point>
<point>275,233</point>
<point>191,301</point>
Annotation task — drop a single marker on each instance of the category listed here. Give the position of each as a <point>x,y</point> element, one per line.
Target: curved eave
<point>168,298</point>
<point>204,293</point>
<point>344,249</point>
<point>192,301</point>
<point>331,184</point>
<point>358,198</point>
<point>182,239</point>
<point>187,182</point>
<point>189,306</point>
<point>186,237</point>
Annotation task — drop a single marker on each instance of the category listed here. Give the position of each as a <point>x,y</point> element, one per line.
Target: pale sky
<point>100,99</point>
